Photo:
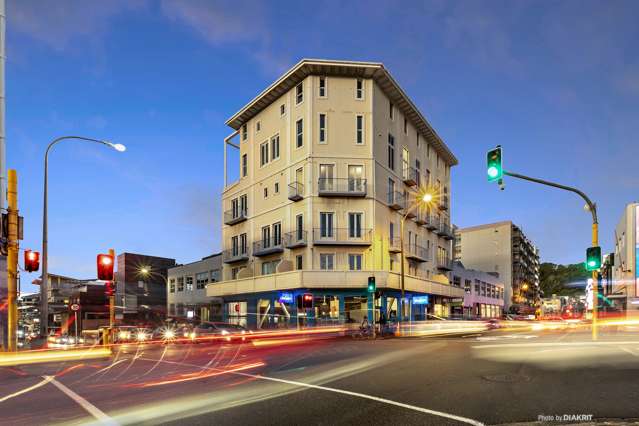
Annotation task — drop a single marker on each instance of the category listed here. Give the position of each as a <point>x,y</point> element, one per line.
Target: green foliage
<point>563,280</point>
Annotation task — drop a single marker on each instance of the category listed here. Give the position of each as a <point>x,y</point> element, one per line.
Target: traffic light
<point>307,300</point>
<point>31,260</point>
<point>371,285</point>
<point>593,258</point>
<point>105,267</point>
<point>109,288</point>
<point>494,169</point>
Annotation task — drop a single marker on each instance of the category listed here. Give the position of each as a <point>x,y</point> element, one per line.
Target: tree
<point>563,280</point>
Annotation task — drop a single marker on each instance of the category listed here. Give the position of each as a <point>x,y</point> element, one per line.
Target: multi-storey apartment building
<point>331,156</point>
<point>483,293</point>
<point>624,289</point>
<point>502,247</point>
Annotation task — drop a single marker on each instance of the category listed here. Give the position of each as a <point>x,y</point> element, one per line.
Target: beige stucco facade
<point>323,192</point>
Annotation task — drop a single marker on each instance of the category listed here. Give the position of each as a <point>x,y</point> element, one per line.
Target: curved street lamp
<point>44,285</point>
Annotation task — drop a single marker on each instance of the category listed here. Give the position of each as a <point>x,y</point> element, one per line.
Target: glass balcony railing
<point>295,191</point>
<point>348,187</point>
<point>342,236</point>
<point>233,216</point>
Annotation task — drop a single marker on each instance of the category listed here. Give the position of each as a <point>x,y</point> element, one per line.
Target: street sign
<point>75,307</point>
<point>420,300</point>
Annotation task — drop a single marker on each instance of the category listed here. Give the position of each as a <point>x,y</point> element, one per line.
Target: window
<point>359,133</point>
<point>322,87</point>
<point>391,191</point>
<point>258,126</point>
<point>391,110</point>
<point>180,284</point>
<point>215,276</point>
<point>299,94</point>
<point>467,284</point>
<point>405,126</point>
<point>477,285</point>
<point>282,110</point>
<point>391,152</point>
<point>243,204</point>
<point>326,175</point>
<point>265,192</point>
<point>266,236</point>
<point>322,128</point>
<point>275,147</point>
<point>355,225</point>
<point>427,150</point>
<point>269,267</point>
<point>235,247</point>
<point>356,181</point>
<point>264,154</point>
<point>391,231</point>
<point>201,280</point>
<point>299,133</point>
<point>277,234</point>
<point>172,285</point>
<point>327,261</point>
<point>189,283</point>
<point>326,224</point>
<point>244,165</point>
<point>457,281</point>
<point>418,172</point>
<point>355,262</point>
<point>417,137</point>
<point>277,187</point>
<point>244,132</point>
<point>299,262</point>
<point>234,272</point>
<point>405,163</point>
<point>299,227</point>
<point>359,89</point>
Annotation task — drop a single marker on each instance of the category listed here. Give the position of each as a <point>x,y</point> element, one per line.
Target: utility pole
<point>12,261</point>
<point>112,300</point>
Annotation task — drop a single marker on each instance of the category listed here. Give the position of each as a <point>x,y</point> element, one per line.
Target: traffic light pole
<point>595,235</point>
<point>12,261</point>
<point>112,300</point>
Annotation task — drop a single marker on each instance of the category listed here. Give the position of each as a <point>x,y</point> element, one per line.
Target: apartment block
<point>624,287</point>
<point>332,156</point>
<point>483,293</point>
<point>503,248</point>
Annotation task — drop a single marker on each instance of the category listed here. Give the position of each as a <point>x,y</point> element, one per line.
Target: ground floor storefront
<point>316,307</point>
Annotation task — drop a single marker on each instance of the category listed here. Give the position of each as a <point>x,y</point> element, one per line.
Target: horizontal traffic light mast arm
<point>591,205</point>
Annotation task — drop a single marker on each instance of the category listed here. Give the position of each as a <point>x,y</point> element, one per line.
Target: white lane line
<point>539,344</point>
<point>344,392</point>
<point>29,389</point>
<point>631,352</point>
<point>90,408</point>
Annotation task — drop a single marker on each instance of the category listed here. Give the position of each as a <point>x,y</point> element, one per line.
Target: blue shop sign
<point>286,297</point>
<point>420,300</point>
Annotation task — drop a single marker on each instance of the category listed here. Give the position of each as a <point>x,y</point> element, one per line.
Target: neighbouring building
<point>503,248</point>
<point>29,312</point>
<point>141,288</point>
<point>483,293</point>
<point>331,156</point>
<point>186,291</point>
<point>624,289</point>
<point>89,294</point>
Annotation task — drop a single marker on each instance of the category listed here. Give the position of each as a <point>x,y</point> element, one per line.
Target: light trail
<point>187,377</point>
<point>29,389</point>
<point>34,357</point>
<point>553,344</point>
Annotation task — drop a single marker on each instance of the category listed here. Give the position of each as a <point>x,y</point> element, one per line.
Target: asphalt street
<point>500,377</point>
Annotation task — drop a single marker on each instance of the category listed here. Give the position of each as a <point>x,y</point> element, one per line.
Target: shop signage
<point>420,300</point>
<point>286,297</point>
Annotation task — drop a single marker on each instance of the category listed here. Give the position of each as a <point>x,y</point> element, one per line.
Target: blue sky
<point>555,83</point>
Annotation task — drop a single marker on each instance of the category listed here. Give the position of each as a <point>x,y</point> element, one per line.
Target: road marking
<point>90,408</point>
<point>345,392</point>
<point>631,352</point>
<point>29,389</point>
<point>539,344</point>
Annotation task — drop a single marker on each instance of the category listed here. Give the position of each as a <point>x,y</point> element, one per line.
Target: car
<point>219,331</point>
<point>124,334</point>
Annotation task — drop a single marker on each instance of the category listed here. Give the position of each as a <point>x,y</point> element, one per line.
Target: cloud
<point>58,23</point>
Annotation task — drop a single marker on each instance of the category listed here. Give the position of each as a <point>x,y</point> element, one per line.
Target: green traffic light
<point>494,165</point>
<point>593,258</point>
<point>492,172</point>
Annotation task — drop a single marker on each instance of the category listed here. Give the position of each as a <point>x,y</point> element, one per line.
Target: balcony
<point>443,202</point>
<point>268,246</point>
<point>295,191</point>
<point>394,245</point>
<point>410,176</point>
<point>431,222</point>
<point>416,252</point>
<point>295,239</point>
<point>445,231</point>
<point>234,255</point>
<point>233,216</point>
<point>421,218</point>
<point>349,187</point>
<point>341,237</point>
<point>444,264</point>
<point>395,200</point>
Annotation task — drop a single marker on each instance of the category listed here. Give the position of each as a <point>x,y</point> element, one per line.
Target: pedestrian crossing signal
<point>371,285</point>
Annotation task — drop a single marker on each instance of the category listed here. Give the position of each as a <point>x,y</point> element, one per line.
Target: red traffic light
<point>31,260</point>
<point>105,267</point>
<point>307,300</point>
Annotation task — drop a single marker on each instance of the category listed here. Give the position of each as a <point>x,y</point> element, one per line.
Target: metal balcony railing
<point>421,218</point>
<point>342,236</point>
<point>295,191</point>
<point>395,200</point>
<point>295,239</point>
<point>446,231</point>
<point>410,175</point>
<point>416,252</point>
<point>268,246</point>
<point>431,222</point>
<point>443,202</point>
<point>348,187</point>
<point>444,263</point>
<point>233,216</point>
<point>235,255</point>
<point>394,245</point>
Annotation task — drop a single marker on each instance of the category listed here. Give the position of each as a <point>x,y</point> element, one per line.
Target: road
<point>499,377</point>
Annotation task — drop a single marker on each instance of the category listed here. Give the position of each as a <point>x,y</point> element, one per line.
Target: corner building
<point>331,156</point>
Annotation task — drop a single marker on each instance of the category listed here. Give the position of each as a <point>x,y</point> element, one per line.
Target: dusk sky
<point>555,83</point>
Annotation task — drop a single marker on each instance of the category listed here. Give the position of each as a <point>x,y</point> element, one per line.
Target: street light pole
<point>44,285</point>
